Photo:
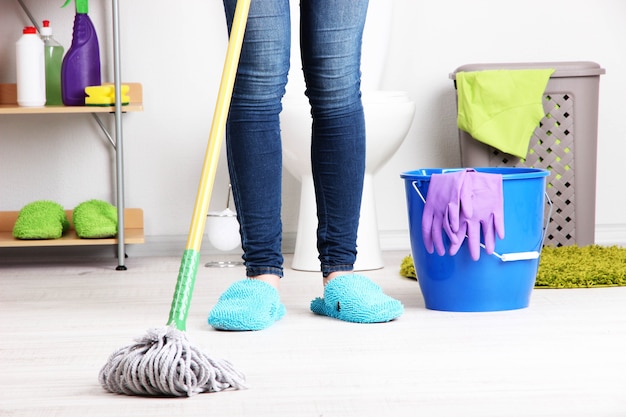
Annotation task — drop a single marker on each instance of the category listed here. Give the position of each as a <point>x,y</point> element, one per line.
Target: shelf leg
<point>119,140</point>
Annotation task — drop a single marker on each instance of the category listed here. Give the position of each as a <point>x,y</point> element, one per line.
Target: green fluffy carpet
<point>570,267</point>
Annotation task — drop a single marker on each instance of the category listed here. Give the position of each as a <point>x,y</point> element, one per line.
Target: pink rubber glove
<point>442,209</point>
<point>486,213</point>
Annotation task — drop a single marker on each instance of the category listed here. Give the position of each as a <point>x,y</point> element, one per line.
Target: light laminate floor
<point>59,322</point>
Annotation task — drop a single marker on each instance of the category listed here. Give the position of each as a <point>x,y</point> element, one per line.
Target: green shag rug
<point>569,267</point>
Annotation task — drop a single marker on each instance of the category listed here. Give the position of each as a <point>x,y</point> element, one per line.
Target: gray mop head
<point>164,364</point>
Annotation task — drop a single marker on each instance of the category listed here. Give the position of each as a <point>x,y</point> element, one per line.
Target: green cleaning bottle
<point>53,58</point>
<point>81,64</point>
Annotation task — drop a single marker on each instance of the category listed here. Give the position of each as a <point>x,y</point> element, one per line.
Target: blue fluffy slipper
<point>356,299</point>
<point>247,305</point>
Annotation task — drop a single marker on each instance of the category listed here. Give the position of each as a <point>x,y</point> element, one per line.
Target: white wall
<point>177,53</point>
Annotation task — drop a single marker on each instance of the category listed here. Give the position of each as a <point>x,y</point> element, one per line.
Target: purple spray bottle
<point>81,64</point>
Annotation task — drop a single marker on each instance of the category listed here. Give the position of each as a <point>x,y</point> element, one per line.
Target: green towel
<point>42,219</point>
<point>95,219</point>
<point>502,108</point>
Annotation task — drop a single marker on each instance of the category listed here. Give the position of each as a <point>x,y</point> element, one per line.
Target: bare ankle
<point>273,280</point>
<point>334,275</point>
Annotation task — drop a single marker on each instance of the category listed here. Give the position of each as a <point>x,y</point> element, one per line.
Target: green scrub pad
<point>95,219</point>
<point>41,219</point>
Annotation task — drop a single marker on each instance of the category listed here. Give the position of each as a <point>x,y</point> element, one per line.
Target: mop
<point>163,362</point>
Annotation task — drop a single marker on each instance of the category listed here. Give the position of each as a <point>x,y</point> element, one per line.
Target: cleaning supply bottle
<point>81,64</point>
<point>31,77</point>
<point>53,53</point>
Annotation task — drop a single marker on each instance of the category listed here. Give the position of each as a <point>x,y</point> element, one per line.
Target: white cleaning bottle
<point>31,74</point>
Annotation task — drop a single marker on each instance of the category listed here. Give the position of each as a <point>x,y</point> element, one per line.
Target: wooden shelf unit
<point>133,232</point>
<point>8,103</point>
<point>133,217</point>
<point>8,106</point>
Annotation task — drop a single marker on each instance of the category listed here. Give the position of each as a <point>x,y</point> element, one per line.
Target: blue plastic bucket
<point>502,281</point>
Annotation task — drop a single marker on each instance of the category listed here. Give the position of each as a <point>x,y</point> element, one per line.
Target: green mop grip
<point>191,257</point>
<point>184,289</point>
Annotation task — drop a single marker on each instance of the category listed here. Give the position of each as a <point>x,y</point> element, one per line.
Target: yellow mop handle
<point>191,256</point>
<point>218,126</point>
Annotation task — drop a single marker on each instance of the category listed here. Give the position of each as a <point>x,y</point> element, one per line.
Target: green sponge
<point>95,219</point>
<point>41,219</point>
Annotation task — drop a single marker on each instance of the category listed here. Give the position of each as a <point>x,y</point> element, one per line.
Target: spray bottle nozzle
<point>82,6</point>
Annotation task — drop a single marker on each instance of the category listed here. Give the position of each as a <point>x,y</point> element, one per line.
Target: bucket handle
<point>513,256</point>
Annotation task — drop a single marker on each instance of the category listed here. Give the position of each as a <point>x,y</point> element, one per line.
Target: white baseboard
<point>174,245</point>
<point>390,240</point>
<point>610,234</point>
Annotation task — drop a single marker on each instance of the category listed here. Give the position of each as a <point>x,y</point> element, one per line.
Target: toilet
<point>388,117</point>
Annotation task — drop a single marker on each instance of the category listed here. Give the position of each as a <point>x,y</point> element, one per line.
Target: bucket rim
<point>508,173</point>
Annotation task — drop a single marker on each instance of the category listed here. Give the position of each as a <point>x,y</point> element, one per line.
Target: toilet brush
<point>163,362</point>
<point>223,233</point>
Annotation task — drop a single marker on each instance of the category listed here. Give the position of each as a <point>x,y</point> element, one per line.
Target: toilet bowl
<point>388,117</point>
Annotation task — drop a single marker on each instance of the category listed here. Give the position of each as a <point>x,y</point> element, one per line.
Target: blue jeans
<point>330,41</point>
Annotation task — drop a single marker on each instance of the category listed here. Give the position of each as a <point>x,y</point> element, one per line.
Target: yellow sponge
<point>104,95</point>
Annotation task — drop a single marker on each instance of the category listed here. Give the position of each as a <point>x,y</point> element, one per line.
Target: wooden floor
<point>565,355</point>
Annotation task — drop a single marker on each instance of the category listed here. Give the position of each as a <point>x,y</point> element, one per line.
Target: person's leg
<point>253,133</point>
<point>331,34</point>
<point>330,39</point>
<point>254,154</point>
